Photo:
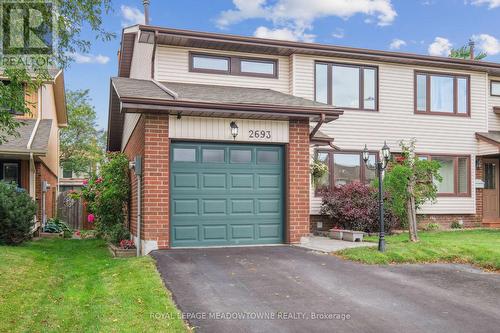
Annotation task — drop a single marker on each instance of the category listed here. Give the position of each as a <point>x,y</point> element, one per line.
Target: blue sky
<point>416,26</point>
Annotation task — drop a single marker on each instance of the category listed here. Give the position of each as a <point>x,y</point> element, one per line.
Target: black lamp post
<point>381,165</point>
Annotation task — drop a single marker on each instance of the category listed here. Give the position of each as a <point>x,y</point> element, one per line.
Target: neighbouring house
<point>227,126</point>
<point>70,180</point>
<point>31,159</point>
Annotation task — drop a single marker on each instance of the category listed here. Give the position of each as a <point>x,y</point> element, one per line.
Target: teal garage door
<point>226,194</point>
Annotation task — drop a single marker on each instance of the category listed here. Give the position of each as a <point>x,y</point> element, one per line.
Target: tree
<point>464,53</point>
<point>24,72</point>
<point>82,146</point>
<point>410,182</point>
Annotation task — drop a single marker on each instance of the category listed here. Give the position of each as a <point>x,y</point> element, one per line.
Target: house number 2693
<point>259,134</point>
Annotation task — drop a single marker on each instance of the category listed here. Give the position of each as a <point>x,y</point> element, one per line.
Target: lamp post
<point>381,165</point>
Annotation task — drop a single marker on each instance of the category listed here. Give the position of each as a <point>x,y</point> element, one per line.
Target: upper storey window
<point>495,88</point>
<point>347,86</point>
<point>442,94</point>
<point>233,65</point>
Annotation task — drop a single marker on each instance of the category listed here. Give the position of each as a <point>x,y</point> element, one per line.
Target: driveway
<point>289,289</point>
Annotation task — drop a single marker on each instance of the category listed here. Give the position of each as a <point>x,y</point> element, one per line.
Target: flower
<point>90,218</point>
<point>85,182</point>
<point>98,180</point>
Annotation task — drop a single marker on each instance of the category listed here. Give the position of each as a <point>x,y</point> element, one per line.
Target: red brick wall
<point>298,181</point>
<point>135,147</point>
<point>156,179</point>
<point>44,173</point>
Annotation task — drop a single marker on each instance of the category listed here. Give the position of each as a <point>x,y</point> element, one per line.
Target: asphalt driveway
<point>289,289</point>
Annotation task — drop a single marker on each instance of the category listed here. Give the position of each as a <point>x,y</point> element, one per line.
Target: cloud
<point>298,16</point>
<point>487,43</point>
<point>491,3</point>
<point>89,58</point>
<point>440,47</point>
<point>339,33</point>
<point>396,44</point>
<point>131,16</point>
<point>283,34</point>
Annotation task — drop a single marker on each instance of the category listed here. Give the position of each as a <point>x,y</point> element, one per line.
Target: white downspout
<point>139,214</point>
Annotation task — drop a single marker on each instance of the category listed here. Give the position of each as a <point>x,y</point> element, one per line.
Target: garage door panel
<point>211,207</point>
<point>229,194</point>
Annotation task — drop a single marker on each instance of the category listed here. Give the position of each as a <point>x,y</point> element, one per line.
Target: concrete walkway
<point>327,245</point>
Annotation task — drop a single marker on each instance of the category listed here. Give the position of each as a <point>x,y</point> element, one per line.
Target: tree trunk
<point>412,219</point>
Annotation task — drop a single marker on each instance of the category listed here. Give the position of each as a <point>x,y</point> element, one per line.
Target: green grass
<point>477,247</point>
<point>75,286</point>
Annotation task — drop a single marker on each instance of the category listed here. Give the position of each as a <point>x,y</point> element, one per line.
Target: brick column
<point>298,180</point>
<point>156,180</point>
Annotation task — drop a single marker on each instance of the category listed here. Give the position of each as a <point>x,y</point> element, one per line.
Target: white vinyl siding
<point>493,119</point>
<point>172,64</point>
<point>129,123</point>
<point>140,68</point>
<point>217,129</point>
<point>486,148</point>
<point>396,120</point>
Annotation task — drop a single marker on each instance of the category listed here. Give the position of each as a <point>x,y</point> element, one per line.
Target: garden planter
<point>336,233</point>
<point>121,253</point>
<point>51,234</point>
<point>352,236</point>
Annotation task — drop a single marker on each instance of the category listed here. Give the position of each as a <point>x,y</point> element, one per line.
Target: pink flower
<point>98,180</point>
<point>85,182</point>
<point>90,218</point>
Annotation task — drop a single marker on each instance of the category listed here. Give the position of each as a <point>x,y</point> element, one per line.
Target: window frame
<point>2,170</point>
<point>331,163</point>
<point>234,65</point>
<point>491,87</point>
<point>361,83</point>
<point>428,110</point>
<point>455,192</point>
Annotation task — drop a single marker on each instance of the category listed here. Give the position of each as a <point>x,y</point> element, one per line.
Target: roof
<point>226,42</point>
<point>19,144</point>
<point>136,96</point>
<point>492,137</point>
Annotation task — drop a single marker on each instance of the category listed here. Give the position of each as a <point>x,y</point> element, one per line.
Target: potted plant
<point>318,171</point>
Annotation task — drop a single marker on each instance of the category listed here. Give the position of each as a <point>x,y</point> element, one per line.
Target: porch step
<point>491,224</point>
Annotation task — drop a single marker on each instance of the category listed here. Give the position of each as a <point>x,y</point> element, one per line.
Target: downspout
<point>32,169</point>
<point>153,56</point>
<point>318,125</point>
<point>139,214</point>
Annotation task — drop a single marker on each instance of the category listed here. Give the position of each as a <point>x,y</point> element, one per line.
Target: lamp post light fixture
<point>234,129</point>
<point>381,165</point>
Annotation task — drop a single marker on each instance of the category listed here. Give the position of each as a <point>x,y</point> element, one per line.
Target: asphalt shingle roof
<point>20,143</point>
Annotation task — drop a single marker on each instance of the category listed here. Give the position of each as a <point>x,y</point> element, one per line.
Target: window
<point>267,156</point>
<point>67,173</point>
<point>210,63</point>
<point>10,172</point>
<point>345,168</point>
<point>442,94</point>
<point>17,94</point>
<point>184,155</point>
<point>233,65</point>
<point>455,171</point>
<point>347,86</point>
<point>241,156</point>
<point>495,88</point>
<point>213,156</point>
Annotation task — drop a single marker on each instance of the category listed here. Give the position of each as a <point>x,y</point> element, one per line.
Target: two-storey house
<point>227,126</point>
<point>31,159</point>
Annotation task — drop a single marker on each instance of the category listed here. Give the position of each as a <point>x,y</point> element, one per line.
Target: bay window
<point>442,94</point>
<point>345,168</point>
<point>346,86</point>
<point>455,173</point>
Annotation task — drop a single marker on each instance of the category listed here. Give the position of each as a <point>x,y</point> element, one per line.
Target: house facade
<point>227,127</point>
<point>31,159</point>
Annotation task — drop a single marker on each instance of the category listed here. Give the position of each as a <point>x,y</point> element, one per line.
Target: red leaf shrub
<point>355,207</point>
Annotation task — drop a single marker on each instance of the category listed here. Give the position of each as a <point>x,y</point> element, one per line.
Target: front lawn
<point>75,286</point>
<point>477,247</point>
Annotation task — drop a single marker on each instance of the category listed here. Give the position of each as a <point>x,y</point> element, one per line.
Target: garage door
<point>224,194</point>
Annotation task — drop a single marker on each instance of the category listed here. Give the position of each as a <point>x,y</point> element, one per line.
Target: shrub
<point>432,227</point>
<point>355,207</point>
<point>127,244</point>
<point>117,233</point>
<point>17,212</point>
<point>457,225</point>
<point>107,194</point>
<point>55,225</point>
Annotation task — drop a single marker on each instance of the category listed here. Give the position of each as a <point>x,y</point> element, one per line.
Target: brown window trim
<point>491,87</point>
<point>428,110</point>
<point>331,153</point>
<point>234,65</point>
<point>361,84</point>
<point>3,162</point>
<point>455,193</point>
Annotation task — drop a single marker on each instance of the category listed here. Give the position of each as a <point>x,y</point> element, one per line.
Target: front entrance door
<point>490,192</point>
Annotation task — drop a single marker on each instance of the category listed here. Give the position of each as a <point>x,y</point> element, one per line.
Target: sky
<point>416,26</point>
